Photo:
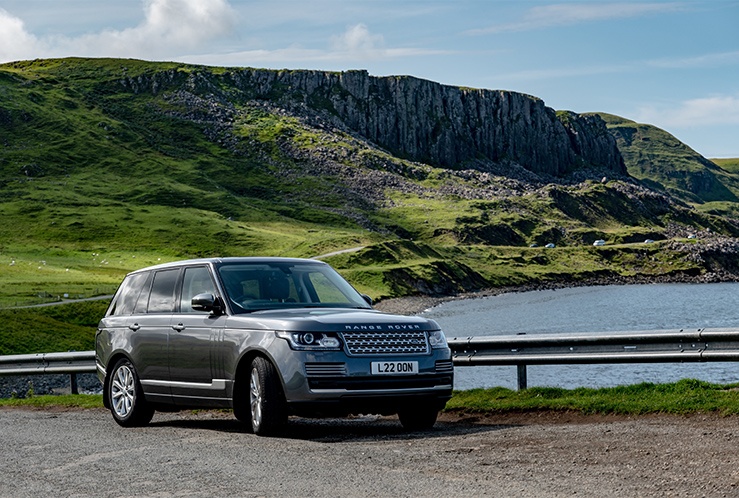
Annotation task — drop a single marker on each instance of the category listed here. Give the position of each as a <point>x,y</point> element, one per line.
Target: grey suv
<point>268,337</point>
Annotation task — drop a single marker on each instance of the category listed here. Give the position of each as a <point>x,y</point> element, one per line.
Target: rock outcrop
<point>421,120</point>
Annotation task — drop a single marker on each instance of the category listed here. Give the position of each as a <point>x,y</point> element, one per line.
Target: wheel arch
<point>244,365</point>
<point>114,358</point>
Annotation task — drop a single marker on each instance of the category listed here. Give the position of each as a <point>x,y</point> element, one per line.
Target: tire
<point>241,407</point>
<point>127,402</point>
<point>267,406</point>
<point>418,418</point>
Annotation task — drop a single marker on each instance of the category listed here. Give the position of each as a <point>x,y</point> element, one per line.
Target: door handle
<point>179,327</point>
<point>134,326</point>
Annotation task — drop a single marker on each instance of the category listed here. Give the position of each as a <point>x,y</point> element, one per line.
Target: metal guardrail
<point>703,345</point>
<point>72,363</point>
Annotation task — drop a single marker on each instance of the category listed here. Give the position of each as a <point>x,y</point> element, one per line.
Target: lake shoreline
<point>414,305</point>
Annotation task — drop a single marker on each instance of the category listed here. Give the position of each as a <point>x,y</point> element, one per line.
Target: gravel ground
<point>83,453</point>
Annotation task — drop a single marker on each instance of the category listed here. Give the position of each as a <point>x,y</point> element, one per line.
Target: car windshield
<point>277,285</point>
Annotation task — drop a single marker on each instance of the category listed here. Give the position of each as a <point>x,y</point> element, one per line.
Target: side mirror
<point>206,302</point>
<point>367,298</point>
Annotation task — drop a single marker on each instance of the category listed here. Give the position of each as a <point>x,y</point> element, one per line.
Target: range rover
<point>268,338</point>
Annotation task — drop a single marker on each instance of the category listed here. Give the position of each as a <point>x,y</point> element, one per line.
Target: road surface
<point>83,453</point>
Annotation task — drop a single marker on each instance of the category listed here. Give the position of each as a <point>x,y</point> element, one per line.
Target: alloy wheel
<point>255,397</point>
<point>123,391</point>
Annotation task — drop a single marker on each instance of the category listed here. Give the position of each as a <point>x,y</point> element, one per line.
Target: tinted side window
<point>162,299</point>
<point>143,301</point>
<point>128,294</point>
<point>196,281</point>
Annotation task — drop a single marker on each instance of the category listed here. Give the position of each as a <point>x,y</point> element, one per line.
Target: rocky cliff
<point>421,120</point>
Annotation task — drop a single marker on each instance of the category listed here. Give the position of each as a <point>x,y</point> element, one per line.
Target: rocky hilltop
<point>421,120</point>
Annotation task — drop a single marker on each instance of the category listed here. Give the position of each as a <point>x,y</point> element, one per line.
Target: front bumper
<point>334,382</point>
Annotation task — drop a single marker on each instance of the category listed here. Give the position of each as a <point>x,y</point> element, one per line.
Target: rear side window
<point>143,301</point>
<point>162,298</point>
<point>125,300</point>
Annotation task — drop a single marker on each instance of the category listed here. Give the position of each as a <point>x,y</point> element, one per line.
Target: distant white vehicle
<point>549,246</point>
<point>691,236</point>
<point>599,242</point>
<point>648,241</point>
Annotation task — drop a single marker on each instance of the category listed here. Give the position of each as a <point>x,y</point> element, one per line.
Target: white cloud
<point>15,42</point>
<point>297,56</point>
<point>355,45</point>
<point>357,39</point>
<point>704,60</point>
<point>577,13</point>
<point>707,111</point>
<point>168,27</point>
<point>358,43</point>
<point>172,28</point>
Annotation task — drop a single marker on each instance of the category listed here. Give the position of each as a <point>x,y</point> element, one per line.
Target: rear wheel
<point>418,418</point>
<point>127,402</point>
<point>263,407</point>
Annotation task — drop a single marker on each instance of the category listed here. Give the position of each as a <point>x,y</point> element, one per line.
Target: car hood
<point>330,320</point>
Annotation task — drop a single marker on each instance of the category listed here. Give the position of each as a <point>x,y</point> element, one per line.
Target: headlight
<point>437,340</point>
<point>311,341</point>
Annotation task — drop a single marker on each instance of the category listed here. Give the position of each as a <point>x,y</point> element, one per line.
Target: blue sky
<point>671,64</point>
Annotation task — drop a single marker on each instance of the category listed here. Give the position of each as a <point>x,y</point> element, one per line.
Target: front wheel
<point>418,418</point>
<point>127,402</point>
<point>267,406</point>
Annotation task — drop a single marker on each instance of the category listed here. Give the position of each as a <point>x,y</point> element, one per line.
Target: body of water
<point>594,309</point>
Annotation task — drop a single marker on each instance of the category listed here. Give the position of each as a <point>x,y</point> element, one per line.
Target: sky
<point>672,64</point>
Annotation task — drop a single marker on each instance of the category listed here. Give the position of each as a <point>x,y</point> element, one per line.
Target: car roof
<point>229,260</point>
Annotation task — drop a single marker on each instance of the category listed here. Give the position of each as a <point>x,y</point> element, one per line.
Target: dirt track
<point>83,453</point>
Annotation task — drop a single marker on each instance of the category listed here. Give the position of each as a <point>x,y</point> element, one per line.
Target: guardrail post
<point>73,383</point>
<point>522,379</point>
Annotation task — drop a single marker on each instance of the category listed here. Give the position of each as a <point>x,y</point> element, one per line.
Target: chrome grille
<point>325,369</point>
<point>373,342</point>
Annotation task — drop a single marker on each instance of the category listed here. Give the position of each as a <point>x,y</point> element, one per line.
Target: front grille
<point>371,342</point>
<point>325,369</point>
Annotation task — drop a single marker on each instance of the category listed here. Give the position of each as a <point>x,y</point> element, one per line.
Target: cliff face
<point>445,125</point>
<point>426,121</point>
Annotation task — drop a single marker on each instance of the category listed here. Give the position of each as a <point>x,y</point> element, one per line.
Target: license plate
<point>394,367</point>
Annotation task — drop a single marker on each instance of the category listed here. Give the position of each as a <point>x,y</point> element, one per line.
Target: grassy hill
<point>730,165</point>
<point>664,163</point>
<point>98,177</point>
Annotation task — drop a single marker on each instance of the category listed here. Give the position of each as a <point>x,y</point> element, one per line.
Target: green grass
<point>68,327</point>
<point>663,162</point>
<point>729,164</point>
<point>399,268</point>
<point>684,397</point>
<point>680,398</point>
<point>56,401</point>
